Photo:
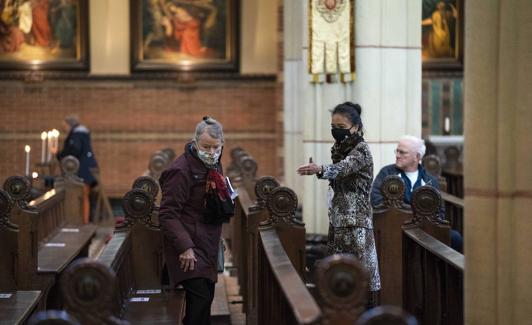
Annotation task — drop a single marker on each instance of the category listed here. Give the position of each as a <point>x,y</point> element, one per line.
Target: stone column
<point>388,87</point>
<point>498,177</point>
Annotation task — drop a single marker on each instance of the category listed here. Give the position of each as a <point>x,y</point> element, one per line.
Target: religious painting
<point>43,34</point>
<point>442,34</point>
<point>184,35</point>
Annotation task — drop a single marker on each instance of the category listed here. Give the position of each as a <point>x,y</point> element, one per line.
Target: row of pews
<point>126,282</point>
<point>419,271</point>
<point>40,238</point>
<point>46,265</point>
<point>267,243</point>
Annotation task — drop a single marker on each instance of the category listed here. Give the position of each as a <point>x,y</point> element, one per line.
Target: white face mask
<point>209,158</point>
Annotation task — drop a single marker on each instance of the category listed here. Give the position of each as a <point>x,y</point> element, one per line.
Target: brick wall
<point>132,119</point>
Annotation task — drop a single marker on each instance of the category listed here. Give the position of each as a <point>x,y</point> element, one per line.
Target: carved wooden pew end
<point>40,235</point>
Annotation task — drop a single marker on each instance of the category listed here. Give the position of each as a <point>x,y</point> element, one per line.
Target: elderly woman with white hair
<point>195,202</point>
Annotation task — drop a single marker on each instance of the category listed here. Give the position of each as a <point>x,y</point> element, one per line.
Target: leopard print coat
<point>350,214</point>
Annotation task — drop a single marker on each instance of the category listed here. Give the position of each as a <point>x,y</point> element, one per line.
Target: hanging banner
<point>331,37</point>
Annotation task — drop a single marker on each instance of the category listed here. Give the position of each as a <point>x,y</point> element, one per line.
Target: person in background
<point>350,176</point>
<point>408,155</point>
<point>78,144</point>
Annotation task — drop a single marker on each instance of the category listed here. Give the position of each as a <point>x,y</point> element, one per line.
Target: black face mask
<point>340,134</point>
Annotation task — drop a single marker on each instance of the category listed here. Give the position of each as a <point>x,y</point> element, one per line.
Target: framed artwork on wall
<point>184,35</point>
<point>442,27</point>
<point>44,35</point>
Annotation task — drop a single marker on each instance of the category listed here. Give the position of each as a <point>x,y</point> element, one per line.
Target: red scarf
<point>216,182</point>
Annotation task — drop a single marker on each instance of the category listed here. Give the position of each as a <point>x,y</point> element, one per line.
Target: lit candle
<point>27,150</point>
<point>447,125</point>
<point>56,140</point>
<point>49,144</point>
<point>44,135</point>
<point>34,175</point>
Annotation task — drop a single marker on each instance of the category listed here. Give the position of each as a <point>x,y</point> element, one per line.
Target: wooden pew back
<point>387,221</point>
<point>454,206</point>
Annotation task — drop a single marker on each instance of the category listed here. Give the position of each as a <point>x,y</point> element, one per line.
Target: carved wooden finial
<point>342,285</point>
<point>386,315</point>
<point>88,288</point>
<point>426,201</point>
<point>248,166</point>
<point>19,188</point>
<point>170,154</point>
<point>148,184</point>
<point>432,165</point>
<point>138,206</point>
<point>6,204</point>
<point>263,188</point>
<point>70,166</point>
<point>158,163</point>
<point>393,189</point>
<point>282,205</point>
<point>452,157</point>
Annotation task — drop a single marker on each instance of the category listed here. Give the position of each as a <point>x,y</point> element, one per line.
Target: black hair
<point>352,112</point>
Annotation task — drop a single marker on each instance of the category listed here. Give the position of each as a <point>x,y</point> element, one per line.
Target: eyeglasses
<point>400,152</point>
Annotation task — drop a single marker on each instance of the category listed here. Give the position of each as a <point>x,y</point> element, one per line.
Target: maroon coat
<point>181,218</point>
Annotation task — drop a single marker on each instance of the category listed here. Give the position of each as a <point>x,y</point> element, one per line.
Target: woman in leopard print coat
<point>350,177</point>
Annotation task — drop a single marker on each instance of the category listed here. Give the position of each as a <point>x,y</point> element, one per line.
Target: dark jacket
<point>78,144</point>
<point>181,218</point>
<point>376,195</point>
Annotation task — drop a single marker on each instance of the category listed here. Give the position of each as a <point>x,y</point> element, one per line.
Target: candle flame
<point>55,133</point>
<point>44,135</point>
<point>34,174</point>
<point>27,148</point>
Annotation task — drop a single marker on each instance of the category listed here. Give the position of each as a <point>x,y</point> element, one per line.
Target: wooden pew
<point>242,172</point>
<point>72,185</point>
<point>17,306</point>
<point>272,198</point>
<point>220,309</point>
<point>282,296</point>
<point>387,221</point>
<point>433,272</point>
<point>141,270</point>
<point>125,282</point>
<point>250,221</point>
<point>453,172</point>
<point>42,243</point>
<point>454,206</point>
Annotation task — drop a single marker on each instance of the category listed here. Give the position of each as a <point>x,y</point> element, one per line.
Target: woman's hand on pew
<point>187,259</point>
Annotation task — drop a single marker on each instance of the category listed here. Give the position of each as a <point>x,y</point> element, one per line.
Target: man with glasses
<point>408,155</point>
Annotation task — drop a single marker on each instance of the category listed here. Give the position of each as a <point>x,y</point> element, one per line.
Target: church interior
<point>137,77</point>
